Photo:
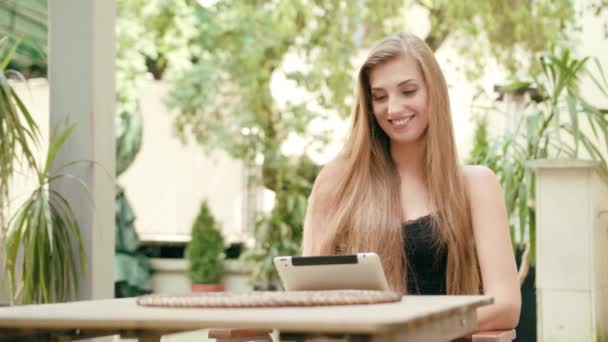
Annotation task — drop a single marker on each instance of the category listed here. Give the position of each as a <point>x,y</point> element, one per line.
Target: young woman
<point>398,189</point>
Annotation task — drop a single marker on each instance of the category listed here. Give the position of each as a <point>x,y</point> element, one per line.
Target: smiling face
<point>399,99</point>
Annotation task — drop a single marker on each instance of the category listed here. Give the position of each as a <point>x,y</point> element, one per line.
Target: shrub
<point>204,252</point>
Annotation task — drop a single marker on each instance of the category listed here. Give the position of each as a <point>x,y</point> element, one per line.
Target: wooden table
<point>415,318</point>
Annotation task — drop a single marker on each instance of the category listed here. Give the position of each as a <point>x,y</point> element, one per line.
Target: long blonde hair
<point>365,213</point>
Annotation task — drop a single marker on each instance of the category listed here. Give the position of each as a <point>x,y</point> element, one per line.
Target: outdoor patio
<point>197,129</point>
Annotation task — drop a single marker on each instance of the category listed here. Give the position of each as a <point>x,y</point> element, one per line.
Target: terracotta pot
<point>207,287</point>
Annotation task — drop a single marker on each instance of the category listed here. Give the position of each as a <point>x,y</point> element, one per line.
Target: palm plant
<point>46,230</point>
<point>557,127</point>
<point>18,130</point>
<point>40,238</point>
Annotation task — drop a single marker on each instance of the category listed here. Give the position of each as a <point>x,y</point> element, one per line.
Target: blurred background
<point>225,111</point>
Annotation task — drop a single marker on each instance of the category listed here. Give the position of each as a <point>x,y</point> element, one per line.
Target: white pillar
<point>571,250</point>
<point>81,76</point>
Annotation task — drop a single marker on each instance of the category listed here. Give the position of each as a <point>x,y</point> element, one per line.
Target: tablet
<point>361,271</point>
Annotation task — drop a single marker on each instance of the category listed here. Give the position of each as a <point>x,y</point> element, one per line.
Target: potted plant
<point>555,123</point>
<point>205,253</point>
<point>42,250</point>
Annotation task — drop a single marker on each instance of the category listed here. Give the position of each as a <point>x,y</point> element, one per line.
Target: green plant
<point>27,19</point>
<point>46,231</point>
<point>132,268</point>
<point>557,127</point>
<point>204,252</point>
<point>280,231</point>
<point>246,45</point>
<point>18,130</point>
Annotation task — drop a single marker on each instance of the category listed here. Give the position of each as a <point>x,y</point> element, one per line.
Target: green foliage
<point>150,35</point>
<point>225,56</point>
<point>280,232</point>
<point>132,269</point>
<point>46,231</point>
<point>243,44</point>
<point>225,100</point>
<point>481,144</point>
<point>204,252</point>
<point>18,130</point>
<point>26,20</point>
<point>598,7</point>
<point>557,127</point>
<point>511,32</point>
<point>129,134</point>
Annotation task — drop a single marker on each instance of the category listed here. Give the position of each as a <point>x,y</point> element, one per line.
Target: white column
<point>571,250</point>
<point>81,76</point>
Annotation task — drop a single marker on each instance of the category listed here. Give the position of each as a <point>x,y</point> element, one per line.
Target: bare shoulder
<point>483,187</point>
<point>479,177</point>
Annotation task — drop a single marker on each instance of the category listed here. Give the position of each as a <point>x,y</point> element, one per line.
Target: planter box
<point>571,250</point>
<point>171,276</point>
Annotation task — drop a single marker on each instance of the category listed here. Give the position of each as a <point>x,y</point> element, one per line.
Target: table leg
<point>442,329</point>
<point>149,338</point>
<point>143,335</point>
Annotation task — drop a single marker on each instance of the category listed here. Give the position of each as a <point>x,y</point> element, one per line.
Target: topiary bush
<point>205,250</point>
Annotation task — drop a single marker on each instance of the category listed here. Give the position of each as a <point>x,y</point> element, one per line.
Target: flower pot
<point>207,287</point>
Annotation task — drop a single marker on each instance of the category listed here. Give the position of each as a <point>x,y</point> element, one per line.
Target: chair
<point>240,335</point>
<point>494,336</point>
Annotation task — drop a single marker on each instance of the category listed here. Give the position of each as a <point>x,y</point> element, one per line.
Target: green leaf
<point>9,55</point>
<point>572,110</point>
<point>600,69</point>
<point>43,256</point>
<point>514,86</point>
<point>55,146</point>
<point>12,118</point>
<point>59,171</point>
<point>69,221</point>
<point>589,146</point>
<point>31,127</point>
<point>30,266</point>
<point>77,180</point>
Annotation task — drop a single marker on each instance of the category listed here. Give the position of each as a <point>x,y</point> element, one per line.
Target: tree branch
<point>423,4</point>
<point>440,29</point>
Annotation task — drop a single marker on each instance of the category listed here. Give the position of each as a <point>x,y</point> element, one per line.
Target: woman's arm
<point>494,250</point>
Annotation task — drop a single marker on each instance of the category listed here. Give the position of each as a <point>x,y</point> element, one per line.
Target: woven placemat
<point>269,299</point>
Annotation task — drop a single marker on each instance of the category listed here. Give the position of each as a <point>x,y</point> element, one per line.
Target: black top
<point>427,260</point>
